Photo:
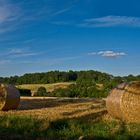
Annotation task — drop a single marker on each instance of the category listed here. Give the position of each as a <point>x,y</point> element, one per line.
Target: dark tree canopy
<point>41,91</point>
<point>85,77</point>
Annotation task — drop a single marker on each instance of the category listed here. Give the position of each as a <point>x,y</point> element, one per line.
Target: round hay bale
<point>9,97</point>
<point>123,102</point>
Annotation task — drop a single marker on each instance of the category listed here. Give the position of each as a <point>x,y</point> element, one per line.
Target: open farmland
<point>63,118</point>
<point>49,87</point>
<point>53,108</point>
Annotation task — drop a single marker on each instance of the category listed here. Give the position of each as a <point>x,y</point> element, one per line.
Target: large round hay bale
<point>123,102</point>
<point>9,97</point>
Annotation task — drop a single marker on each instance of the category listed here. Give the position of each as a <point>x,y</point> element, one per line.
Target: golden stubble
<point>57,108</point>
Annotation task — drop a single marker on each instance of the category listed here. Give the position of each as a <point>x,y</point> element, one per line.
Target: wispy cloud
<point>3,62</point>
<point>13,15</point>
<point>64,23</point>
<point>107,21</point>
<point>108,53</point>
<point>18,53</point>
<point>9,13</point>
<point>18,56</point>
<point>62,11</point>
<point>111,21</point>
<point>21,53</point>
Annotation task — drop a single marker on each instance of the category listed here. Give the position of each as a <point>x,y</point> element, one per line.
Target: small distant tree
<point>25,92</point>
<point>41,91</point>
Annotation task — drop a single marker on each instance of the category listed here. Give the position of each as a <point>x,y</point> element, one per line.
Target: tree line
<point>83,77</point>
<point>87,83</point>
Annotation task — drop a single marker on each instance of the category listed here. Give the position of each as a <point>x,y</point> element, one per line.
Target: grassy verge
<point>74,129</point>
<point>12,127</point>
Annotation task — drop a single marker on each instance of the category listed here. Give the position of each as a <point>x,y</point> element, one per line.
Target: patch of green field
<point>12,127</point>
<point>76,128</point>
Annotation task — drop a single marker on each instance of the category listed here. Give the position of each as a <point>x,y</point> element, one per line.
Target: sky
<point>45,35</point>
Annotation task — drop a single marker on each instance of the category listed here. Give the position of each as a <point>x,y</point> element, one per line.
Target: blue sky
<point>44,35</point>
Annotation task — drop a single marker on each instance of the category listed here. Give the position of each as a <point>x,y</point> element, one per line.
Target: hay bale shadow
<point>92,116</point>
<point>40,103</point>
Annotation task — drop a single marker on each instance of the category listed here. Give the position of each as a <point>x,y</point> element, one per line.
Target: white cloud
<point>110,21</point>
<point>108,53</point>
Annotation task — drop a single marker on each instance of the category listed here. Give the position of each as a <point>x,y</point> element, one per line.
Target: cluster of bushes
<point>41,92</point>
<point>85,86</point>
<point>82,88</point>
<point>73,90</point>
<point>79,91</point>
<point>25,92</point>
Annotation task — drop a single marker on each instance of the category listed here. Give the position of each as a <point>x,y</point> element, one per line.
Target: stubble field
<point>63,118</point>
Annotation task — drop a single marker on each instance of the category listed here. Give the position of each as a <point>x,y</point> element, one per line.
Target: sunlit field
<point>63,118</point>
<point>49,87</point>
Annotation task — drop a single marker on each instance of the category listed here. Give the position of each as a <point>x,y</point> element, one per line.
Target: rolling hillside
<point>49,87</point>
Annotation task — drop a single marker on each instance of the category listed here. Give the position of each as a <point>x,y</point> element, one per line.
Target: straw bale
<point>9,97</point>
<point>123,102</point>
<point>133,87</point>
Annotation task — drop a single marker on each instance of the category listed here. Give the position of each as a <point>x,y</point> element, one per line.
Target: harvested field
<point>63,119</point>
<point>49,87</point>
<point>56,108</point>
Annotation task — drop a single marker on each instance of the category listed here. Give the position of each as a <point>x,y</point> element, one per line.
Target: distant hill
<point>49,87</point>
<point>65,76</point>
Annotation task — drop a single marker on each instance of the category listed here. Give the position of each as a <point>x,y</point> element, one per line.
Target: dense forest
<point>87,83</point>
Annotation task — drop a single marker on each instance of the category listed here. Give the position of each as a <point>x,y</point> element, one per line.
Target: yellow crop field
<point>49,87</point>
<point>54,108</point>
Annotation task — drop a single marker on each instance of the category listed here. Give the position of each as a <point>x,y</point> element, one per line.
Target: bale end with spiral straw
<point>9,97</point>
<point>123,102</point>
